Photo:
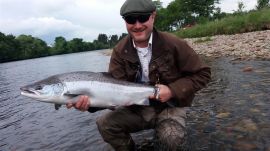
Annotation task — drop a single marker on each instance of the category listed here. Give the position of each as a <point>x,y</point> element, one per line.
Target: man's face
<point>140,27</point>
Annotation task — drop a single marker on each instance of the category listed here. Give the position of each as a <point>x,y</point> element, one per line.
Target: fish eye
<point>39,87</point>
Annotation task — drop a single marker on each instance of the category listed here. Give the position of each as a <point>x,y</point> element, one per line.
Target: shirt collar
<point>149,42</point>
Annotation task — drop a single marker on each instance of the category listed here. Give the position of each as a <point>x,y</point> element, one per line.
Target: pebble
<point>247,69</point>
<point>245,146</point>
<point>223,115</point>
<point>246,125</point>
<point>251,45</point>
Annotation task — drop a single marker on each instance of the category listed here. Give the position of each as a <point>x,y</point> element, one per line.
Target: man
<point>157,58</point>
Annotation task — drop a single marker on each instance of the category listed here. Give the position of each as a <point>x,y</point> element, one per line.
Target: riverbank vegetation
<point>234,23</point>
<point>185,18</point>
<point>189,18</point>
<point>26,46</point>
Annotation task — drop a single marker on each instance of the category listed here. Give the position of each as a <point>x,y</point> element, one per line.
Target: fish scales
<point>103,90</point>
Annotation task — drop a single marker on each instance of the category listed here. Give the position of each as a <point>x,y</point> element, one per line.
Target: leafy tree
<point>60,45</point>
<point>158,4</point>
<point>113,40</point>
<point>41,48</point>
<point>163,20</point>
<point>162,17</point>
<point>122,36</point>
<point>32,47</point>
<point>218,14</point>
<point>76,45</point>
<point>8,48</point>
<point>26,46</point>
<point>89,46</point>
<point>103,38</point>
<point>98,45</point>
<point>262,3</point>
<point>180,13</point>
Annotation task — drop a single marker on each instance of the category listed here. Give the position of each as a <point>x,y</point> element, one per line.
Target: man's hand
<point>82,103</point>
<point>165,93</point>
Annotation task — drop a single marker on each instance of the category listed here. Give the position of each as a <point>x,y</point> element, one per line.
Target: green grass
<point>240,23</point>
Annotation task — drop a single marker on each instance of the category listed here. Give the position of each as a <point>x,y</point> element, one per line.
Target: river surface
<point>232,113</point>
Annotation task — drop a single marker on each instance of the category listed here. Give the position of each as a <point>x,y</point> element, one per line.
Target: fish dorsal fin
<point>57,106</point>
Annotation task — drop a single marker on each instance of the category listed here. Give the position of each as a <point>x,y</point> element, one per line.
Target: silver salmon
<point>103,90</point>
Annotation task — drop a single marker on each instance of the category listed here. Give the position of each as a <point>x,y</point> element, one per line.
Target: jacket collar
<point>150,41</point>
<point>130,53</point>
<point>158,45</point>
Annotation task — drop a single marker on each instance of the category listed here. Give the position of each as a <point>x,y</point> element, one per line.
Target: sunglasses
<point>132,19</point>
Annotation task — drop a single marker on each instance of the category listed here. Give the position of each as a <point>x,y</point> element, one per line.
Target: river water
<point>232,113</point>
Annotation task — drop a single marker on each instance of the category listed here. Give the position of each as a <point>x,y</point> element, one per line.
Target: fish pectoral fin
<point>57,106</point>
<point>71,95</point>
<point>144,102</point>
<point>72,98</point>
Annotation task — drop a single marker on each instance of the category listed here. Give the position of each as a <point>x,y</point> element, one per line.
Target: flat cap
<point>137,7</point>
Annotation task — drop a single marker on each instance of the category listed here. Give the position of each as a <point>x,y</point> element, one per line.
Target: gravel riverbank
<point>245,46</point>
<point>252,45</point>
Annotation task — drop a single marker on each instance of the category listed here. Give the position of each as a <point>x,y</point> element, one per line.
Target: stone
<point>247,69</point>
<point>245,146</point>
<point>223,115</point>
<point>246,45</point>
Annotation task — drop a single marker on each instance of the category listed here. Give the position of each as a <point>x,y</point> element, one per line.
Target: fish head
<point>46,90</point>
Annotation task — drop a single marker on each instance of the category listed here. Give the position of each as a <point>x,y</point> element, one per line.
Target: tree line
<point>178,14</point>
<point>26,46</point>
<point>187,13</point>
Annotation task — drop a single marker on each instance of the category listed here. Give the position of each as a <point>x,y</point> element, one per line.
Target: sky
<point>86,19</point>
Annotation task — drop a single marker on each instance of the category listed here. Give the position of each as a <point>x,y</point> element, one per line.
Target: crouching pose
<point>147,55</point>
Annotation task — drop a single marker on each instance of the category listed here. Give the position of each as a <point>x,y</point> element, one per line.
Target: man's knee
<point>112,133</point>
<point>170,134</point>
<point>109,125</point>
<point>101,121</point>
<point>104,125</point>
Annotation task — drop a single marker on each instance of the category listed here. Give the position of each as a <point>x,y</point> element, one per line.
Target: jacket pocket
<point>167,69</point>
<point>132,70</point>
